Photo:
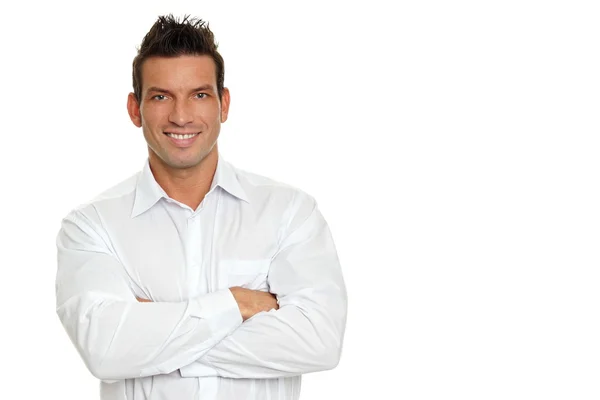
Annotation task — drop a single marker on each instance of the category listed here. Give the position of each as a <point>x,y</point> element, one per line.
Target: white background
<point>453,148</point>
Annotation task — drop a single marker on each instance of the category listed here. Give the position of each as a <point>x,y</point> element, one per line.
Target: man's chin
<point>185,163</point>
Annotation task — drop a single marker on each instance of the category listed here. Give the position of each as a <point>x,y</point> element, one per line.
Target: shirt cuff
<point>221,311</point>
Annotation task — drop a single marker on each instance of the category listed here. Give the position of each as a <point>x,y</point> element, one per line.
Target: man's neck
<point>188,186</point>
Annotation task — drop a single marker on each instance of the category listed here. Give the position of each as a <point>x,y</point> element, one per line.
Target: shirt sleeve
<point>306,333</point>
<point>116,336</point>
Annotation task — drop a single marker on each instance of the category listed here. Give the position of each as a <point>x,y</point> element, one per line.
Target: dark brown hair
<point>170,37</point>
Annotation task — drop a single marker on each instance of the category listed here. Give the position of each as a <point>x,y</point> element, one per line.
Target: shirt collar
<point>148,192</point>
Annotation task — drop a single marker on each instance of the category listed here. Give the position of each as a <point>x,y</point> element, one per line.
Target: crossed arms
<point>225,333</point>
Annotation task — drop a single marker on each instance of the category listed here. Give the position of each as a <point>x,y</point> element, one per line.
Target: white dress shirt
<point>190,341</point>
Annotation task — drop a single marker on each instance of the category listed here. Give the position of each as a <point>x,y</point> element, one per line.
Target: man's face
<point>179,97</point>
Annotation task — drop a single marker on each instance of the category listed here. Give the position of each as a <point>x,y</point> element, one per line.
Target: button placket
<point>194,256</point>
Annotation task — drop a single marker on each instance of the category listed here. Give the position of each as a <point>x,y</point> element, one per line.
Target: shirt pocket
<point>249,274</point>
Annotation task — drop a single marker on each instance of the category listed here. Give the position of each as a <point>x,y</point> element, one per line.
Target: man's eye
<point>159,97</point>
<point>200,95</point>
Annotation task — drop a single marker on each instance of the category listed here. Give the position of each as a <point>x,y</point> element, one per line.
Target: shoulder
<point>290,205</point>
<point>261,187</point>
<point>118,195</point>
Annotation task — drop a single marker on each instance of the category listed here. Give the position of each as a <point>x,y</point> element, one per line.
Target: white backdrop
<point>453,148</point>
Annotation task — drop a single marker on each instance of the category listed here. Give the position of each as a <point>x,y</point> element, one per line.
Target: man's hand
<point>143,300</point>
<point>252,302</point>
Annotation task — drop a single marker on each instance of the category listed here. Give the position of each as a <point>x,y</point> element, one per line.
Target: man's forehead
<point>180,71</point>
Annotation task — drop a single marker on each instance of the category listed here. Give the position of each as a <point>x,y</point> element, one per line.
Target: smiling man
<point>194,279</point>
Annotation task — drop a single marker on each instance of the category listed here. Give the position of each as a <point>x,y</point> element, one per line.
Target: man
<point>194,279</point>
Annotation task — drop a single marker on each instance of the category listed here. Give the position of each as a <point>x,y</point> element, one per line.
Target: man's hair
<point>170,37</point>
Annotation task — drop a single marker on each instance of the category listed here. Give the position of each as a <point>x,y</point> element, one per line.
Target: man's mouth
<point>182,139</point>
<point>181,136</point>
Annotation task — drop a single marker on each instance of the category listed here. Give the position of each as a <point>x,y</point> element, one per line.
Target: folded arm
<point>306,333</point>
<point>117,336</point>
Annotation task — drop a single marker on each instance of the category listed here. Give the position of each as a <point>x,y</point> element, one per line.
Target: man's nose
<point>182,113</point>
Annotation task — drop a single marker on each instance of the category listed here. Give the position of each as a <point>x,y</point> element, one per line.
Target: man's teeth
<point>180,137</point>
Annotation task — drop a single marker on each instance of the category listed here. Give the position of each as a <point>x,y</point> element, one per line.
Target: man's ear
<point>133,108</point>
<point>225,100</point>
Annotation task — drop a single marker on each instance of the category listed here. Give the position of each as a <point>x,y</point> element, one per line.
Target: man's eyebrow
<point>204,87</point>
<point>157,89</point>
<point>198,89</point>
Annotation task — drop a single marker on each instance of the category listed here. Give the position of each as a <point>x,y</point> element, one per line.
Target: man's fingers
<point>143,300</point>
